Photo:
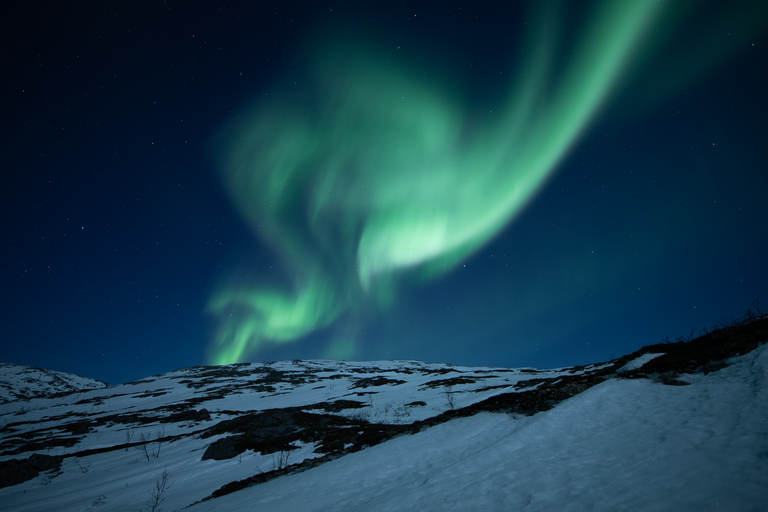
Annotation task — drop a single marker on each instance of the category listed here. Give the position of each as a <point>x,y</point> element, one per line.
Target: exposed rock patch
<point>16,471</point>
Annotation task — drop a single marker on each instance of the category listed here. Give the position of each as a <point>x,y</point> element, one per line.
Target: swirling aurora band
<point>373,175</point>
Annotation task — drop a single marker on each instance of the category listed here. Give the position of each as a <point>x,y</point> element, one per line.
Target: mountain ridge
<point>22,382</point>
<point>234,427</point>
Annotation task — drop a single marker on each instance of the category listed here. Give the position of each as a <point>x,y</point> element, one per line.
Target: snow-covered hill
<point>19,382</point>
<point>671,427</point>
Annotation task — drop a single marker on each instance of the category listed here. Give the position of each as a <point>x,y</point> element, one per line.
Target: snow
<point>23,382</point>
<point>638,362</point>
<point>620,445</point>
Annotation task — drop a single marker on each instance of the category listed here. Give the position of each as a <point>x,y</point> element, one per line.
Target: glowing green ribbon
<point>373,174</point>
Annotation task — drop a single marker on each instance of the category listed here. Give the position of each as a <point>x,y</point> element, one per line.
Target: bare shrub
<point>450,398</point>
<point>150,449</point>
<point>281,462</point>
<point>158,492</point>
<point>83,467</point>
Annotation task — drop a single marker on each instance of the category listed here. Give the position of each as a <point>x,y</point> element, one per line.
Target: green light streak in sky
<point>373,174</point>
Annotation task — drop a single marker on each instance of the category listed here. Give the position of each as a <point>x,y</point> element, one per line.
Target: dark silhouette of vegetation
<point>750,315</point>
<point>146,443</point>
<point>158,492</point>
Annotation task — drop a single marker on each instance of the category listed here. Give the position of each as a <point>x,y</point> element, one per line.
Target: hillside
<point>19,382</point>
<point>671,426</point>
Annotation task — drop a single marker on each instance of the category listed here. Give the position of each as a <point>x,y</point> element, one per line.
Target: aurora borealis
<point>373,175</point>
<point>538,184</point>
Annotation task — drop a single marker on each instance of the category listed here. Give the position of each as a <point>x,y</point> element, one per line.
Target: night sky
<point>542,185</point>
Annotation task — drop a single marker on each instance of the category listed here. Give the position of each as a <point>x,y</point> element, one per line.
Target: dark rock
<point>375,381</point>
<point>79,427</point>
<point>454,381</point>
<point>45,442</point>
<point>17,471</point>
<point>338,405</point>
<point>669,378</point>
<point>45,462</point>
<point>191,415</point>
<point>572,389</point>
<point>713,367</point>
<point>221,450</point>
<point>706,352</point>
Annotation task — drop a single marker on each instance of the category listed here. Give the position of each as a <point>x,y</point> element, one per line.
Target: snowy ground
<point>24,382</point>
<point>620,445</point>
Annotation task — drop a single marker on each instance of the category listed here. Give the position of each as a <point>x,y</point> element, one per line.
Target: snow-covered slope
<point>19,382</point>
<point>622,445</point>
<point>686,429</point>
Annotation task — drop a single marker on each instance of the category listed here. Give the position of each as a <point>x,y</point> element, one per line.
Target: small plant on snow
<point>401,411</point>
<point>158,492</point>
<point>146,444</point>
<point>281,462</point>
<point>750,315</point>
<point>450,398</point>
<point>159,436</point>
<point>128,438</point>
<point>83,467</point>
<point>359,415</point>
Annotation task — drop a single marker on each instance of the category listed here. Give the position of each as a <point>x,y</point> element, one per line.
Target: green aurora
<point>375,177</point>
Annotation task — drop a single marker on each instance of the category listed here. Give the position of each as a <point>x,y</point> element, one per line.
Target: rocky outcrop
<point>16,471</point>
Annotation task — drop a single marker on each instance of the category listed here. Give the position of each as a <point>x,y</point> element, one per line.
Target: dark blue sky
<point>117,229</point>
